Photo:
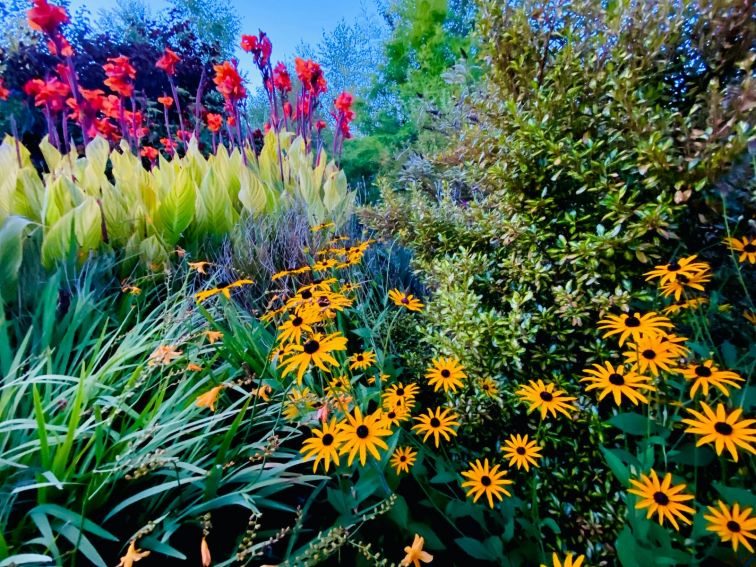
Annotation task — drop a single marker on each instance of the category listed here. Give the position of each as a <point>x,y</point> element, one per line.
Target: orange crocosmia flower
<point>228,82</point>
<point>168,61</point>
<point>193,367</point>
<point>120,75</point>
<point>150,153</point>
<point>46,17</point>
<point>214,121</point>
<point>165,101</point>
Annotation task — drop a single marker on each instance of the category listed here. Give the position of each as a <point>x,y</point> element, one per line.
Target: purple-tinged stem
<point>14,131</point>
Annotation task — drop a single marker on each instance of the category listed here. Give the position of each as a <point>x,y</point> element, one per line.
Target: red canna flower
<point>184,135</point>
<point>311,76</point>
<point>61,44</point>
<point>281,78</point>
<point>51,93</point>
<point>165,101</point>
<point>111,107</point>
<point>214,122</point>
<point>230,120</point>
<point>228,82</point>
<point>287,109</point>
<point>168,61</point>
<point>168,144</point>
<point>46,18</point>
<point>150,153</point>
<point>260,47</point>
<point>106,128</point>
<point>320,124</point>
<point>4,93</point>
<point>344,102</point>
<point>120,75</point>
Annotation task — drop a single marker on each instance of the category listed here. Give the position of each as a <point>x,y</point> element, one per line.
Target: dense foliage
<point>534,346</point>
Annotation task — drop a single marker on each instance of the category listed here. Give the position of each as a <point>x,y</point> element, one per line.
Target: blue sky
<point>287,22</point>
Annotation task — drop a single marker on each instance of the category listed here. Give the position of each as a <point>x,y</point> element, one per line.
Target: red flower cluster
<point>311,76</point>
<point>281,78</point>
<point>260,48</point>
<point>166,101</point>
<point>214,122</point>
<point>150,153</point>
<point>46,18</point>
<point>168,61</point>
<point>50,93</point>
<point>120,75</point>
<point>229,82</point>
<point>3,91</point>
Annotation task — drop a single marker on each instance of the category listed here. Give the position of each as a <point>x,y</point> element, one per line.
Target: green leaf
<point>475,549</point>
<point>24,559</point>
<point>746,498</point>
<point>177,209</point>
<point>616,465</point>
<point>11,253</point>
<point>633,423</point>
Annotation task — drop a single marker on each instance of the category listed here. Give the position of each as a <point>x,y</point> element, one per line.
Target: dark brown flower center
<point>648,354</point>
<point>661,499</point>
<point>703,371</point>
<point>391,414</point>
<point>434,422</point>
<point>546,396</point>
<point>297,321</point>
<point>733,526</point>
<point>324,301</point>
<point>616,379</point>
<point>400,391</point>
<point>327,439</point>
<point>520,450</point>
<point>306,294</point>
<point>360,358</point>
<point>405,300</point>
<point>485,480</point>
<point>632,321</point>
<point>402,458</point>
<point>749,248</point>
<point>673,267</point>
<point>311,346</point>
<point>445,373</point>
<point>362,431</point>
<point>723,428</point>
<point>683,279</point>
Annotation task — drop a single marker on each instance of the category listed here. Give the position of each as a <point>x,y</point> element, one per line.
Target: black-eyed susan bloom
<point>222,289</point>
<point>651,354</point>
<point>315,350</point>
<point>396,415</point>
<point>734,524</point>
<point>617,381</point>
<point>744,246</point>
<point>438,423</point>
<point>672,271</point>
<point>707,374</point>
<point>415,554</point>
<point>403,458</point>
<point>489,387</point>
<point>408,301</point>
<point>634,326</point>
<point>725,430</point>
<point>662,499</point>
<point>484,479</point>
<point>363,435</point>
<point>324,445</point>
<point>546,398</point>
<point>569,561</point>
<point>683,283</point>
<point>298,323</point>
<point>446,373</point>
<point>362,360</point>
<point>521,451</point>
<point>692,303</point>
<point>398,395</point>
